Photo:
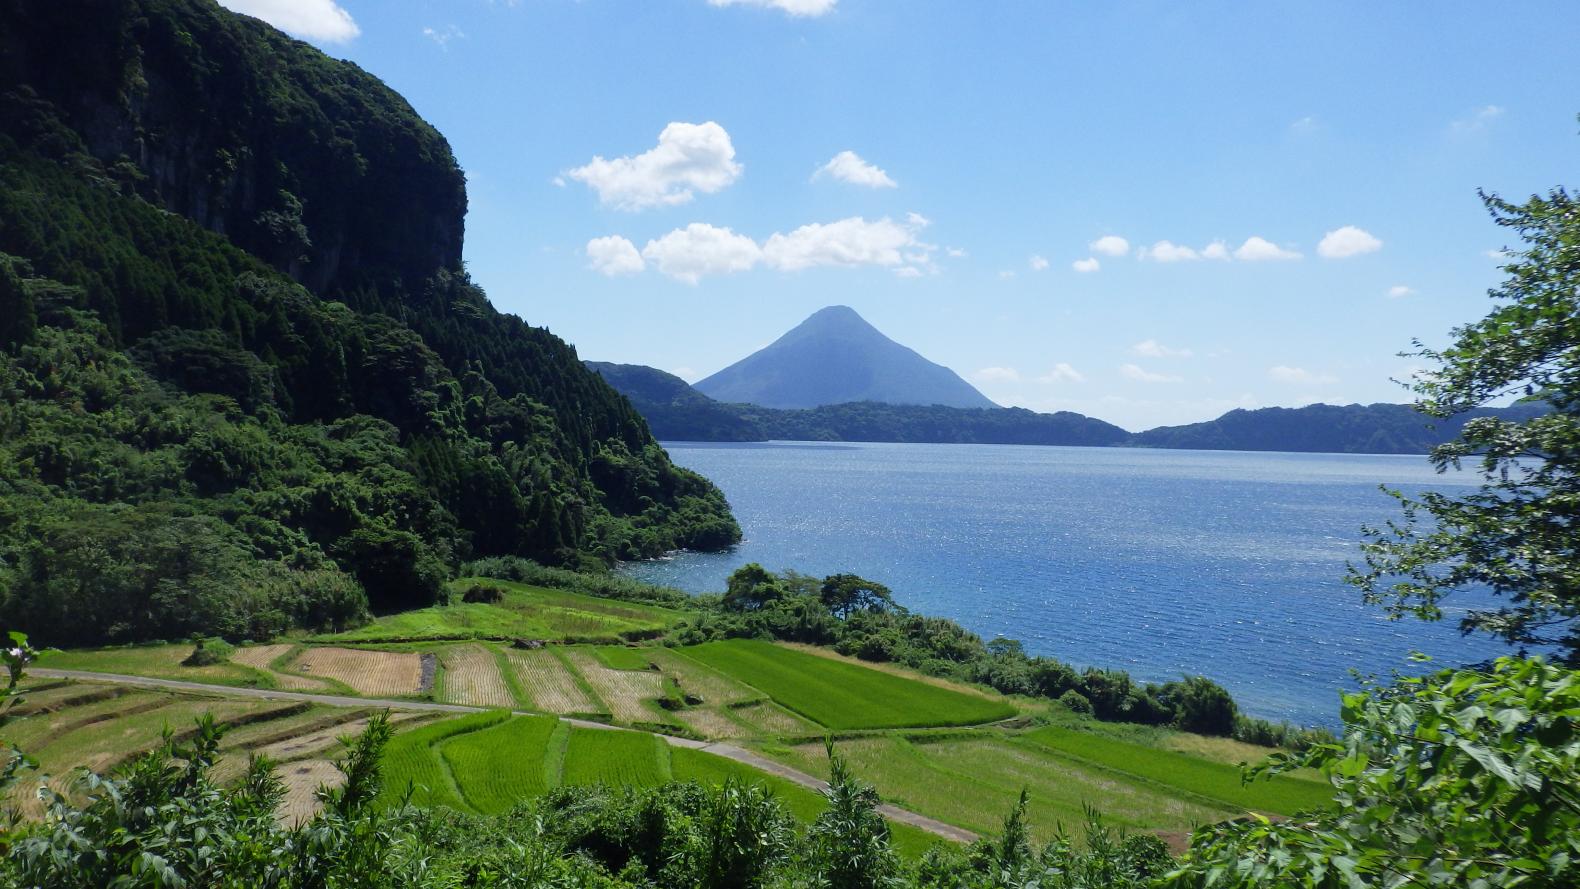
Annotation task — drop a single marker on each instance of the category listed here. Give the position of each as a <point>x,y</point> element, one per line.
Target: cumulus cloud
<point>689,158</point>
<point>1110,245</point>
<point>1400,291</point>
<point>321,20</point>
<point>1087,265</point>
<point>1155,349</point>
<point>797,8</point>
<point>1299,376</point>
<point>1257,249</point>
<point>1347,241</point>
<point>688,254</point>
<point>1168,251</point>
<point>1062,373</point>
<point>1140,375</point>
<point>848,166</point>
<point>1215,250</point>
<point>997,375</point>
<point>956,252</point>
<point>613,256</point>
<point>1037,263</point>
<point>849,242</point>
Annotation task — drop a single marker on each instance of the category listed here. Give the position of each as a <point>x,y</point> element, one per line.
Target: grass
<point>972,780</point>
<point>620,657</point>
<point>499,766</point>
<point>412,762</point>
<point>526,612</point>
<point>840,695</point>
<point>1283,795</point>
<point>615,758</point>
<point>157,661</point>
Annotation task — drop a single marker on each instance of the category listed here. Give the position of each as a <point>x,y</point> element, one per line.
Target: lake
<point>1227,564</point>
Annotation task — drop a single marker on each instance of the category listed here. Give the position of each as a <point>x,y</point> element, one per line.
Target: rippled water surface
<point>1162,562</point>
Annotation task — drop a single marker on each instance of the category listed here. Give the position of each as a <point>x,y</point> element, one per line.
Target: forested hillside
<point>245,381</point>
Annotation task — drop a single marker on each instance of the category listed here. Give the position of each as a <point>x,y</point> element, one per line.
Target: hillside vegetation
<point>245,383</point>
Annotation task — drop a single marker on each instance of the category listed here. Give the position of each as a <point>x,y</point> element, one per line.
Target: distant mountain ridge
<point>677,412</point>
<point>836,357</point>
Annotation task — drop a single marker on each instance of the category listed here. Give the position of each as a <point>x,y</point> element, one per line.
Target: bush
<point>483,593</point>
<point>604,586</point>
<point>1075,702</point>
<point>207,652</point>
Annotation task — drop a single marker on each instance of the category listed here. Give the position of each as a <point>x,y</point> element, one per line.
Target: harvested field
<point>372,673</point>
<point>260,658</point>
<point>472,676</point>
<point>703,681</point>
<point>627,692</point>
<point>709,722</point>
<point>769,718</point>
<point>550,685</point>
<point>302,780</point>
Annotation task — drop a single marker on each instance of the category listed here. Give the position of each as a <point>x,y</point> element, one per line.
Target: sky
<point>1147,212</point>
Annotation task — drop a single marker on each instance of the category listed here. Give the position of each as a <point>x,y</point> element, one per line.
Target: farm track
<point>728,751</point>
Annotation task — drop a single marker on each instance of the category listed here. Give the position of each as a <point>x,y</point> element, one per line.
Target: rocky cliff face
<point>315,166</point>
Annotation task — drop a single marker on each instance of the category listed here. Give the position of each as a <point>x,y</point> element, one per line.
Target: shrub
<point>207,652</point>
<point>485,593</point>
<point>1075,702</point>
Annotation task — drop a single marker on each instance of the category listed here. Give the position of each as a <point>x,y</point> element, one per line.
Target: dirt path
<point>728,751</point>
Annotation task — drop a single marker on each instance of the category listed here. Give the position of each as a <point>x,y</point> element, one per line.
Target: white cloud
<point>685,373</point>
<point>1168,251</point>
<point>1110,245</point>
<point>1006,275</point>
<point>687,254</point>
<point>917,220</point>
<point>1257,249</point>
<point>1155,349</point>
<point>1087,265</point>
<point>443,36</point>
<point>1215,250</point>
<point>613,256</point>
<point>1037,263</point>
<point>997,375</point>
<point>1496,254</point>
<point>908,271</point>
<point>1347,241</point>
<point>956,252</point>
<point>1477,120</point>
<point>1062,373</point>
<point>1133,372</point>
<point>1306,124</point>
<point>849,242</point>
<point>313,19</point>
<point>847,166</point>
<point>797,8</point>
<point>1400,291</point>
<point>689,158</point>
<point>1299,376</point>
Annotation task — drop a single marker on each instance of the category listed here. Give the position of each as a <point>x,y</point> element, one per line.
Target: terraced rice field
<point>159,661</point>
<point>841,695</point>
<point>412,763</point>
<point>526,612</point>
<point>974,780</point>
<point>302,780</point>
<point>389,674</point>
<point>551,686</point>
<point>1220,782</point>
<point>262,658</point>
<point>472,676</point>
<point>627,693</point>
<point>714,687</point>
<point>499,766</point>
<point>616,758</point>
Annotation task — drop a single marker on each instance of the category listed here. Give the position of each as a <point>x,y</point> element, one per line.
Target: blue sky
<point>1147,212</point>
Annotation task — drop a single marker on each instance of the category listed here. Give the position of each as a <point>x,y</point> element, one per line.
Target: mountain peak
<point>833,357</point>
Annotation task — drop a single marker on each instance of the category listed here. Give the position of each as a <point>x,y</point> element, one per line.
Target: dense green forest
<point>246,381</point>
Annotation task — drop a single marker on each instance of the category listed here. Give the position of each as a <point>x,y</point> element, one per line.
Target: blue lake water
<point>1226,564</point>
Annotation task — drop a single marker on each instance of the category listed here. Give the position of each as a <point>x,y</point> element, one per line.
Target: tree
<point>1519,533</point>
<point>844,594</point>
<point>751,587</point>
<point>1462,778</point>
